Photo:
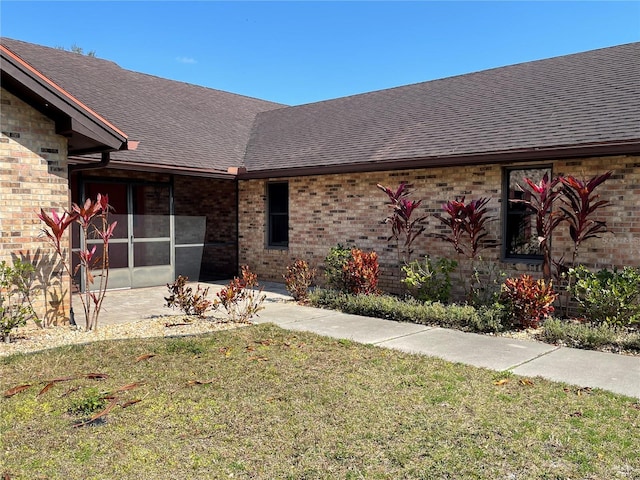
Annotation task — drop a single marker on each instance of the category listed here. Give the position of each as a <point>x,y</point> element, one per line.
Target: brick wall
<point>348,209</point>
<point>215,200</point>
<point>33,174</point>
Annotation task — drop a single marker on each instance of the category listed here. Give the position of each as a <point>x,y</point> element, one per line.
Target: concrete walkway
<point>616,373</point>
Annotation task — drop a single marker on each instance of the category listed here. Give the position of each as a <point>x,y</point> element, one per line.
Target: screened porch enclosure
<point>151,245</point>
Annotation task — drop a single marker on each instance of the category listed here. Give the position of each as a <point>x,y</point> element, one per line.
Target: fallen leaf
<point>98,415</point>
<point>62,379</point>
<point>257,359</point>
<point>576,414</point>
<point>146,356</point>
<point>265,343</point>
<point>15,390</point>
<point>71,390</point>
<point>526,381</point>
<point>96,376</point>
<point>250,348</point>
<point>130,402</point>
<point>103,412</point>
<point>129,386</point>
<point>501,382</point>
<point>46,388</point>
<point>225,350</point>
<point>191,383</point>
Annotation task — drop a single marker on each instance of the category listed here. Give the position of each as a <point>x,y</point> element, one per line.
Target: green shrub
<point>486,282</point>
<point>462,317</point>
<point>609,297</point>
<point>15,306</point>
<point>429,281</point>
<point>579,335</point>
<point>334,264</point>
<point>90,401</point>
<point>493,318</point>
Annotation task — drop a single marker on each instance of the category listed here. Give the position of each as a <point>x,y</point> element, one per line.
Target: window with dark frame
<point>520,239</point>
<point>278,219</point>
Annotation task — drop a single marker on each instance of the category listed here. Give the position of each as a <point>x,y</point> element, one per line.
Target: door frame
<point>132,276</point>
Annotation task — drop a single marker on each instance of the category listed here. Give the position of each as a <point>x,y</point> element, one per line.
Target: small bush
<point>429,281</point>
<point>527,300</point>
<point>579,335</point>
<point>334,264</point>
<point>494,318</point>
<point>184,298</point>
<point>92,400</point>
<point>361,272</point>
<point>15,307</point>
<point>298,279</point>
<point>242,298</point>
<point>486,282</point>
<point>607,297</point>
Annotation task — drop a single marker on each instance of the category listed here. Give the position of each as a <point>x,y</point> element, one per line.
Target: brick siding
<point>33,174</point>
<point>348,209</point>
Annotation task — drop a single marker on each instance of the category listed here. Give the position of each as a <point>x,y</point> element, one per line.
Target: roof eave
<point>509,156</point>
<point>163,169</point>
<point>87,131</point>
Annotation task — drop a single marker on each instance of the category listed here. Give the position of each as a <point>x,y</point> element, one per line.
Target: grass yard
<point>262,402</point>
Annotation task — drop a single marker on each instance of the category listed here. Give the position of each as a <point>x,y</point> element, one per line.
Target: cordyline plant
<point>580,205</point>
<point>93,219</point>
<point>468,235</point>
<point>466,222</point>
<point>543,195</point>
<point>402,225</point>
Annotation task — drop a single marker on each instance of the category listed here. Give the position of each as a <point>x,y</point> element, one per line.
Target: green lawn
<point>262,402</point>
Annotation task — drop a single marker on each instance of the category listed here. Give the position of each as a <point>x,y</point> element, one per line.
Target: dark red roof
<point>581,100</point>
<point>177,124</point>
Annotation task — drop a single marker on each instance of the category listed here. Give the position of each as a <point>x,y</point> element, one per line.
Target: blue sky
<point>301,52</point>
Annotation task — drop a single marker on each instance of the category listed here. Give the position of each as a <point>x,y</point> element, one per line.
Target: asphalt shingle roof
<point>177,124</point>
<point>581,99</point>
<point>590,98</point>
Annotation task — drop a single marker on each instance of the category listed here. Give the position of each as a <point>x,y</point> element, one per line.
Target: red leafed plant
<point>528,300</point>
<point>361,272</point>
<point>183,297</point>
<point>402,225</point>
<point>242,298</point>
<point>543,196</point>
<point>94,223</point>
<point>581,203</point>
<point>298,279</point>
<point>466,222</point>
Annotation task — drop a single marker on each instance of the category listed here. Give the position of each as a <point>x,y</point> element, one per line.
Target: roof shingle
<point>177,124</point>
<point>574,100</point>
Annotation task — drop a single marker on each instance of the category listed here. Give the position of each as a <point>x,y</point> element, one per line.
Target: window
<point>519,224</point>
<point>278,219</point>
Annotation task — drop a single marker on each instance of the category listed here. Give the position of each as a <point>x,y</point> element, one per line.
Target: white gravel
<point>31,338</point>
